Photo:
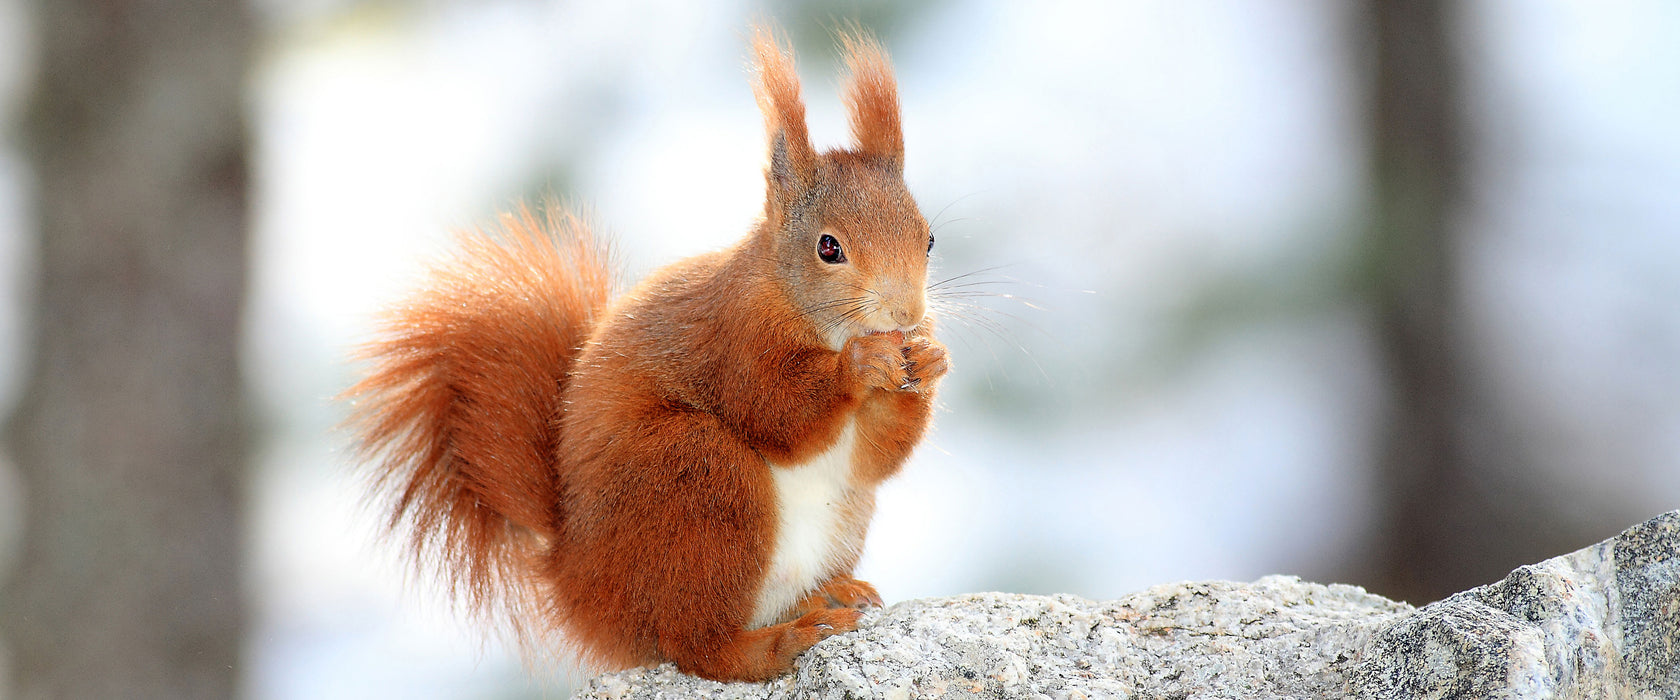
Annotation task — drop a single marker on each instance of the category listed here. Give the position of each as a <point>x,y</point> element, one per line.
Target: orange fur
<point>459,406</point>
<point>608,471</point>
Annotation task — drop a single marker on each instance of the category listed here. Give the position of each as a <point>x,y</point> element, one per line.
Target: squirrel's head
<point>850,245</point>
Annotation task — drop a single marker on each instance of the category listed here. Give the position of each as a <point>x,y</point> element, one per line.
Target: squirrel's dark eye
<point>930,244</point>
<point>829,250</point>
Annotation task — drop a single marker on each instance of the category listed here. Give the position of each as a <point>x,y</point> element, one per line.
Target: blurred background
<point>1384,293</point>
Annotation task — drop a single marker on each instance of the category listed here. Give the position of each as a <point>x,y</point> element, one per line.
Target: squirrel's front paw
<point>925,362</point>
<point>878,360</point>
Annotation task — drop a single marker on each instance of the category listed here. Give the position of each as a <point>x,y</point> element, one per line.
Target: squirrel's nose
<point>904,304</point>
<point>909,314</point>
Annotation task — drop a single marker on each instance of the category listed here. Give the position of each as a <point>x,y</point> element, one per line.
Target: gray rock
<point>1603,622</point>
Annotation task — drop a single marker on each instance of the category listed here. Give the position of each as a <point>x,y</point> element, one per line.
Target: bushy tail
<point>459,414</point>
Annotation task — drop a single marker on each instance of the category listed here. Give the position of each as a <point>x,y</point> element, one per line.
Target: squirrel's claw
<point>925,362</point>
<point>878,361</point>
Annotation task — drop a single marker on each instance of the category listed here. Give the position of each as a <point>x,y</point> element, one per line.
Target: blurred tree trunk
<point>1417,161</point>
<point>128,436</point>
<point>1457,513</point>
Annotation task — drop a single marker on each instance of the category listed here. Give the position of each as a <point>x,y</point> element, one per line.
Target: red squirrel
<point>685,473</point>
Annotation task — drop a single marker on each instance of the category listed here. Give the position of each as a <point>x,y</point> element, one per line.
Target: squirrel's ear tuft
<point>792,166</point>
<point>871,95</point>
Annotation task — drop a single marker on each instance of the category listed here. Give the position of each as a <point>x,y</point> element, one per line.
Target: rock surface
<point>1603,622</point>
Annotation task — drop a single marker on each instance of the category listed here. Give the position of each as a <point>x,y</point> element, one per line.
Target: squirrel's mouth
<point>872,329</point>
<point>898,335</point>
<point>838,335</point>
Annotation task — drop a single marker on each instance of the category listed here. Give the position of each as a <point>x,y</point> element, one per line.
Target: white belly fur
<point>809,498</point>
